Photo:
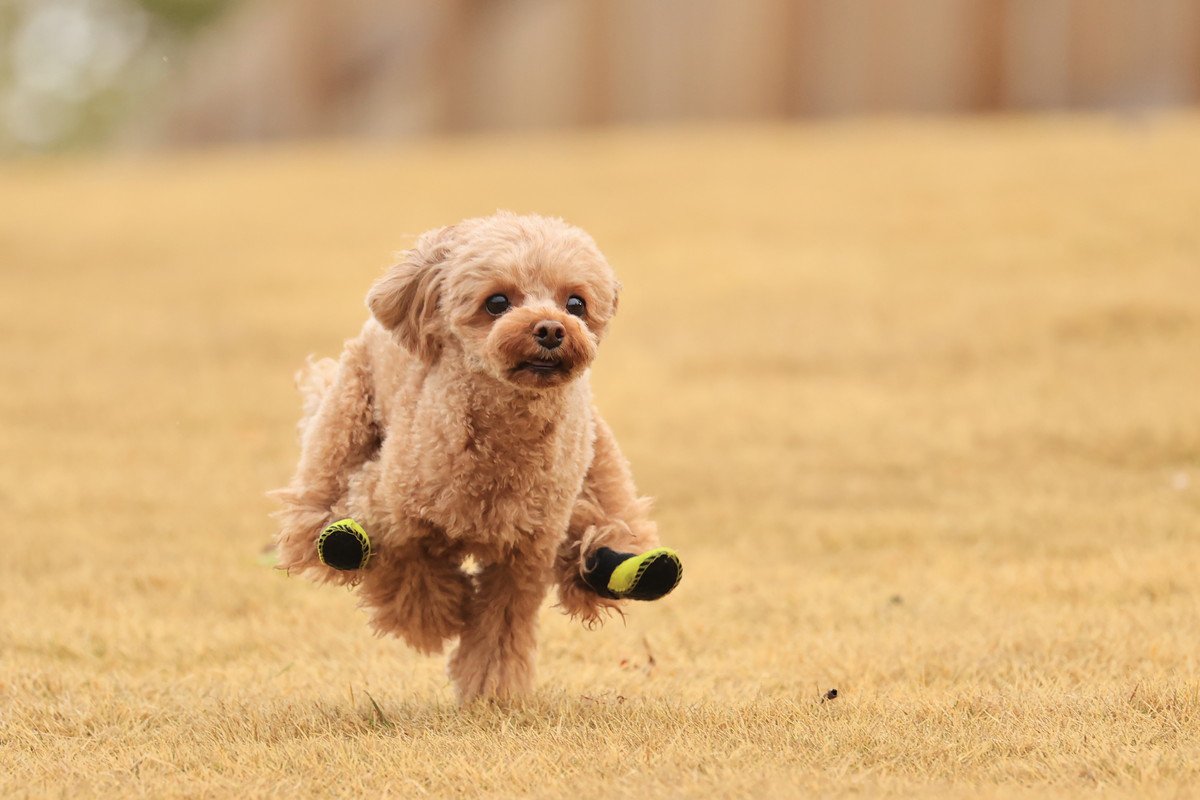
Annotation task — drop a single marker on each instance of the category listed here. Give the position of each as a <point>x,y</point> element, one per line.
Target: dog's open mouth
<point>542,366</point>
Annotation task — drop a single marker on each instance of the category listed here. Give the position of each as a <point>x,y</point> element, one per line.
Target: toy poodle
<point>453,465</point>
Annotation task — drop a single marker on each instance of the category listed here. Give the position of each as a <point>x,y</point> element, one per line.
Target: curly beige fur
<point>431,433</point>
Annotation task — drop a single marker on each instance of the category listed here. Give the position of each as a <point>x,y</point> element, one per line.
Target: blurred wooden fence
<point>316,67</point>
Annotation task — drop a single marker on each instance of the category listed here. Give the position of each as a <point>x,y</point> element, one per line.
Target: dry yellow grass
<point>920,403</point>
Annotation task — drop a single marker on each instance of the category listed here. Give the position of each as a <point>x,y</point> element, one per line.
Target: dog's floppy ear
<point>405,300</point>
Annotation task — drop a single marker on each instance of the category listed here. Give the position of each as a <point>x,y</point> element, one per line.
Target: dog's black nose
<point>549,334</point>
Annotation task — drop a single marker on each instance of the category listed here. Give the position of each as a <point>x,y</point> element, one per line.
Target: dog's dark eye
<point>576,306</point>
<point>497,304</point>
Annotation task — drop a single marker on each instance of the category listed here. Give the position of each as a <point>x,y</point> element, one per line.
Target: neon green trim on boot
<point>628,574</point>
<point>344,545</point>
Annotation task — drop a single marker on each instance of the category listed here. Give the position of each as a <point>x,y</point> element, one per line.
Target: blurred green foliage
<point>185,16</point>
<point>75,73</point>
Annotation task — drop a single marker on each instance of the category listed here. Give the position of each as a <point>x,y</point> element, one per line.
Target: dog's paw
<point>295,546</point>
<point>344,545</point>
<point>628,576</point>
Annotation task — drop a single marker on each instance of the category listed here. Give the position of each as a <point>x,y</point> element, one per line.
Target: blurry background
<point>916,397</point>
<point>154,72</point>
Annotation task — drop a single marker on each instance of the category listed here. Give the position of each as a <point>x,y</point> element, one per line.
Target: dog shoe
<point>344,545</point>
<point>644,576</point>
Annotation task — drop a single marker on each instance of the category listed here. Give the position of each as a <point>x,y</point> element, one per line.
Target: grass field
<point>920,403</point>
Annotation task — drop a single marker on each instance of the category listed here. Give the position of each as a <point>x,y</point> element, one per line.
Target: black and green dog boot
<point>644,576</point>
<point>344,545</point>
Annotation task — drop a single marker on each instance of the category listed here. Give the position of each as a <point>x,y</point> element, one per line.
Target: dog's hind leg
<point>419,593</point>
<point>495,656</point>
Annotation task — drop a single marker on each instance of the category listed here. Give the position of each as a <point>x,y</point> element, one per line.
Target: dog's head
<point>525,299</point>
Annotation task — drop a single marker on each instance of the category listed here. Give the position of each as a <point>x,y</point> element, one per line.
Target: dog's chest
<point>509,475</point>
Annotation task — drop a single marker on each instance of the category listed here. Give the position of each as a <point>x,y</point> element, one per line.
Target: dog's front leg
<point>337,440</point>
<point>495,656</point>
<point>608,514</point>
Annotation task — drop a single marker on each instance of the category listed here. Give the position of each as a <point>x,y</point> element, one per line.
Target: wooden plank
<point>1036,72</point>
<point>986,29</point>
<point>925,55</point>
<point>526,65</point>
<point>1103,61</point>
<point>834,62</point>
<point>649,40</point>
<point>1167,52</point>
